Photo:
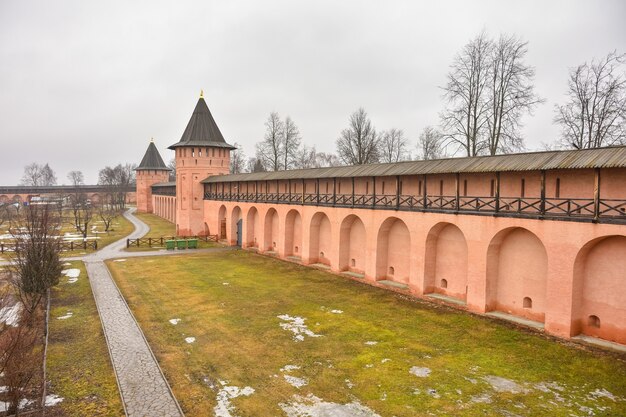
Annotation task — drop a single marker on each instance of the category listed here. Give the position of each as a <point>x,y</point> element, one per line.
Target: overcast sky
<point>85,84</point>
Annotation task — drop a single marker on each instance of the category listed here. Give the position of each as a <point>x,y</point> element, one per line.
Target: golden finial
<point>201,93</point>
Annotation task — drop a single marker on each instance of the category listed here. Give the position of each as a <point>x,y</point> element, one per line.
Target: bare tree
<point>21,360</point>
<point>595,113</point>
<point>107,212</point>
<point>358,144</point>
<point>323,159</point>
<point>465,116</point>
<point>393,146</point>
<point>511,94</point>
<point>255,165</point>
<point>83,212</point>
<point>118,181</point>
<point>291,142</point>
<point>76,178</point>
<point>270,150</point>
<point>237,160</point>
<point>38,175</point>
<point>35,263</point>
<point>430,144</point>
<point>172,165</point>
<point>306,157</point>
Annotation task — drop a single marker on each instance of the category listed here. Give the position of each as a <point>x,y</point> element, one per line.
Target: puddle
<point>312,406</point>
<point>297,327</point>
<point>421,372</point>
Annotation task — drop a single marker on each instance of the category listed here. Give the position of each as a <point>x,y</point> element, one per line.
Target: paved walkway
<point>144,389</point>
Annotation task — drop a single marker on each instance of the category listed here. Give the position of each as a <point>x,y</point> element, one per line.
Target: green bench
<point>170,244</point>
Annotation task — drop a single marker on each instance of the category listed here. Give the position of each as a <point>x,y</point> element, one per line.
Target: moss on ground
<point>78,365</point>
<point>229,301</point>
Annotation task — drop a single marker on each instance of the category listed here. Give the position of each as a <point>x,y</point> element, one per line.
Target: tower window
<point>523,188</point>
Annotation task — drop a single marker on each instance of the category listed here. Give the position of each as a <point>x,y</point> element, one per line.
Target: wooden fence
<point>62,246</point>
<point>160,241</point>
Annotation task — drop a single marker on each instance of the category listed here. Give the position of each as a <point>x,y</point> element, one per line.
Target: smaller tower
<point>150,171</point>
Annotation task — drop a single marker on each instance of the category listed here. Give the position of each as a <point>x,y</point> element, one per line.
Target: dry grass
<point>239,340</point>
<point>79,368</point>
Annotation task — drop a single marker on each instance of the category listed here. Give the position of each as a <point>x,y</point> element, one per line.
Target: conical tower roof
<point>202,129</point>
<point>152,160</point>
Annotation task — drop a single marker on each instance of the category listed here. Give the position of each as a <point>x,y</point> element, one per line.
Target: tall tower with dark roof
<point>150,171</point>
<point>201,152</point>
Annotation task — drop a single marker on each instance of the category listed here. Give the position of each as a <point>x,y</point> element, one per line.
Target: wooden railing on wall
<point>575,209</point>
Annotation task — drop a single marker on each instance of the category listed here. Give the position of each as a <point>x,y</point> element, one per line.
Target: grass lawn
<point>377,353</point>
<point>159,227</point>
<point>120,227</point>
<point>78,366</point>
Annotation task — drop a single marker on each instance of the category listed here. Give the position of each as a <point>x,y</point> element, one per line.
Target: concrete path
<point>143,388</point>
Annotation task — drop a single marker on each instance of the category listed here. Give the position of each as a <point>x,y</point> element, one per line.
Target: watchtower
<point>200,153</point>
<point>150,171</point>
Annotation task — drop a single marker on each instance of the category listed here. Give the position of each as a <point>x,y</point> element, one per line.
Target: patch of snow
<point>174,321</point>
<point>481,398</point>
<point>72,274</point>
<point>371,343</point>
<point>225,283</point>
<point>289,368</point>
<point>385,360</point>
<point>52,399</point>
<point>421,372</point>
<point>11,315</point>
<point>349,384</point>
<point>297,327</point>
<point>369,365</point>
<point>66,316</point>
<point>336,311</point>
<point>504,385</point>
<point>598,393</point>
<point>312,406</point>
<point>224,408</point>
<point>67,264</point>
<point>119,260</point>
<point>295,381</point>
<point>190,339</point>
<point>433,393</point>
